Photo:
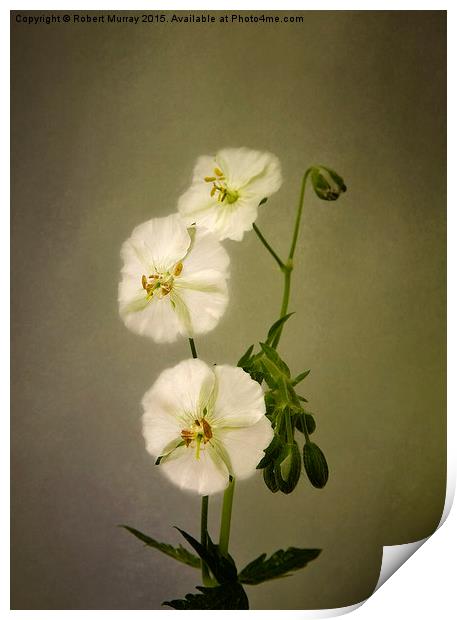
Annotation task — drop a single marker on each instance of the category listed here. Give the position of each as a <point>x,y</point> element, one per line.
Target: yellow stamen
<point>178,268</point>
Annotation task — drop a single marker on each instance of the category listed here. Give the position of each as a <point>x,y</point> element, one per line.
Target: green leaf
<point>177,553</point>
<point>300,377</point>
<point>227,596</point>
<point>222,567</point>
<point>280,564</point>
<point>276,327</point>
<point>315,465</point>
<point>244,359</point>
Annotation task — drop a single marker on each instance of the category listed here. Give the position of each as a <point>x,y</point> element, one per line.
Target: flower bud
<point>287,468</point>
<point>305,418</point>
<point>327,184</point>
<point>315,465</point>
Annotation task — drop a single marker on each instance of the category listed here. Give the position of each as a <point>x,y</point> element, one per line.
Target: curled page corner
<point>396,555</point>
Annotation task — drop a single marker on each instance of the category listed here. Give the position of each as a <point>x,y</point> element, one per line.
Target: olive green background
<point>107,121</point>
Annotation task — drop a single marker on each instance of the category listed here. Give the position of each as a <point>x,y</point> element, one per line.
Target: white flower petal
<point>155,318</point>
<point>205,298</point>
<point>156,245</point>
<point>205,252</point>
<point>242,166</point>
<point>181,391</point>
<point>239,399</point>
<point>205,476</point>
<point>197,206</point>
<point>245,446</point>
<point>252,175</point>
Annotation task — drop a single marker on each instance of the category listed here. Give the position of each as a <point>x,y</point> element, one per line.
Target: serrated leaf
<point>276,327</point>
<point>227,596</point>
<point>244,359</point>
<point>280,564</point>
<point>222,567</point>
<point>177,553</point>
<point>300,377</point>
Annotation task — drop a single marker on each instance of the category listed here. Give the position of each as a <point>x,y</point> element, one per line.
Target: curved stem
<point>288,267</point>
<point>299,214</point>
<point>226,517</point>
<point>268,246</point>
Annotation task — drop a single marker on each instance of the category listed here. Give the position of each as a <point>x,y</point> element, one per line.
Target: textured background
<point>107,123</point>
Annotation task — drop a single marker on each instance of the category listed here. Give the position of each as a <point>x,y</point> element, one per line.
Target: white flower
<point>205,424</point>
<point>227,188</point>
<point>173,280</point>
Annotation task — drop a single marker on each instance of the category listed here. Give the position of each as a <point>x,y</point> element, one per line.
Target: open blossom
<point>227,188</point>
<point>174,280</point>
<point>205,423</point>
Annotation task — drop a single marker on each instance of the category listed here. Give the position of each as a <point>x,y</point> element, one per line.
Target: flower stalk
<point>226,517</point>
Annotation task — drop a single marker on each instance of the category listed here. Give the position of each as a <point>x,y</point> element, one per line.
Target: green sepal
<point>300,377</point>
<point>227,596</point>
<point>244,359</point>
<point>270,478</point>
<point>271,452</point>
<point>223,567</point>
<point>177,553</point>
<point>327,184</point>
<point>315,465</point>
<point>276,327</point>
<point>287,468</point>
<point>280,564</point>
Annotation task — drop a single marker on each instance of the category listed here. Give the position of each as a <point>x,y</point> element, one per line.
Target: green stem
<point>203,539</point>
<point>192,348</point>
<point>299,214</point>
<point>268,246</point>
<point>226,517</point>
<point>207,581</point>
<point>288,267</point>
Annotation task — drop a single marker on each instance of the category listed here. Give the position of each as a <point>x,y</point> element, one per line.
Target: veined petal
<point>226,190</point>
<point>245,446</point>
<point>155,318</point>
<point>205,475</point>
<point>181,391</point>
<point>205,252</point>
<point>242,166</point>
<point>239,399</point>
<point>197,206</point>
<point>157,244</point>
<point>204,296</point>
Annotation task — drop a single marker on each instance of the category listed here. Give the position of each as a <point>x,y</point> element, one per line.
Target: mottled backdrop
<point>107,121</point>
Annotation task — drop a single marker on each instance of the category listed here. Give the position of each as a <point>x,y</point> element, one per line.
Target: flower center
<point>219,188</point>
<point>200,431</point>
<point>160,284</point>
